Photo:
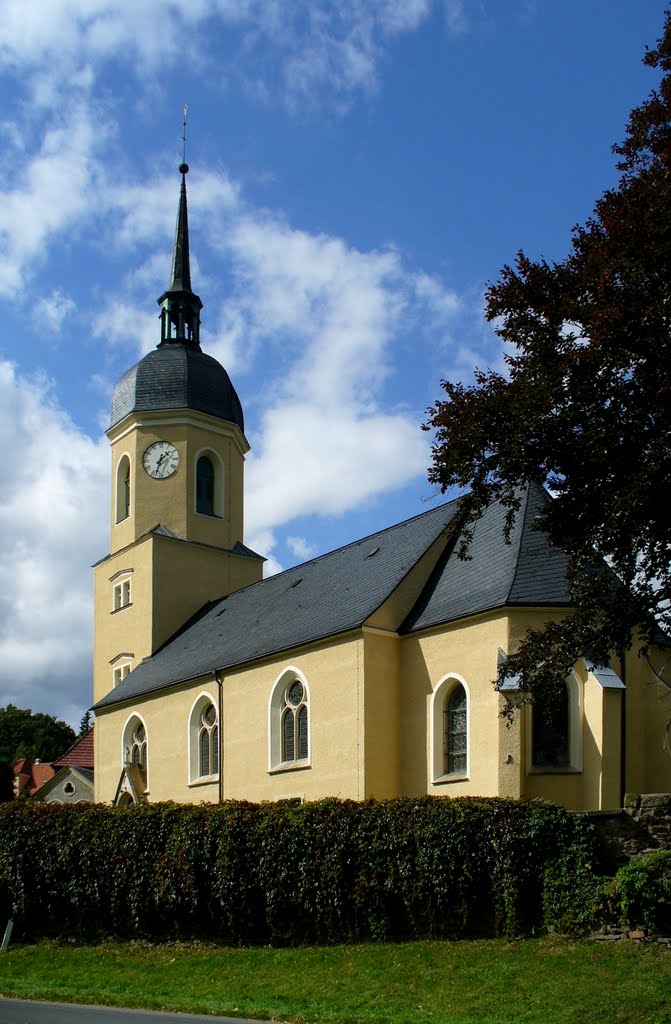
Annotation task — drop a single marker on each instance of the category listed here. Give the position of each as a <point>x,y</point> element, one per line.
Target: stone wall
<point>643,825</point>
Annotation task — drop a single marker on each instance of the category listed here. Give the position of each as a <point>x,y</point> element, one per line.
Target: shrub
<point>642,890</point>
<point>328,871</point>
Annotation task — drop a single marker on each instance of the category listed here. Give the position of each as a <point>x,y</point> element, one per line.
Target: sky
<point>360,171</point>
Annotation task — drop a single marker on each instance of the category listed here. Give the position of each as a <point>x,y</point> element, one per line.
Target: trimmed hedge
<point>329,871</point>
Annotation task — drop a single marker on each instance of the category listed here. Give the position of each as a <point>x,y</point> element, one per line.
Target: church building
<point>365,672</point>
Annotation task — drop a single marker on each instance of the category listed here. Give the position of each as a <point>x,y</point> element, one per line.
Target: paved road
<point>23,1011</point>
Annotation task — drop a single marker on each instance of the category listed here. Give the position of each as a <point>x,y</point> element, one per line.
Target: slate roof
<point>340,590</point>
<point>527,572</point>
<point>177,376</point>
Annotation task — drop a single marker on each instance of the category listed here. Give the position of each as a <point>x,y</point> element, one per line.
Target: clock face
<point>160,459</point>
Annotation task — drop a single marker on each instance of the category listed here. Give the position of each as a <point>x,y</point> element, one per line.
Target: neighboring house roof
<point>83,775</point>
<point>30,775</point>
<point>80,754</point>
<point>341,590</point>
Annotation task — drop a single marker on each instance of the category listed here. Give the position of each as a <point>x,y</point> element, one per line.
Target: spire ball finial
<point>183,168</point>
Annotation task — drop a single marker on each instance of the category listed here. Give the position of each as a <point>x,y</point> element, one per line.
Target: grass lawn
<point>549,981</point>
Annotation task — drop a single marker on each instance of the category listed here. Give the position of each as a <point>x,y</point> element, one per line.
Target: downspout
<point>220,684</point>
<point>623,730</point>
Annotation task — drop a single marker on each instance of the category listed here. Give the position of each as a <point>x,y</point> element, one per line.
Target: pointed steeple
<point>180,306</point>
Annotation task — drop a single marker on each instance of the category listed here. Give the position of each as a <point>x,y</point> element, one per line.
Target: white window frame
<point>122,665</point>
<point>442,692</point>
<point>193,745</point>
<point>122,594</point>
<point>275,709</point>
<point>127,732</point>
<point>219,485</point>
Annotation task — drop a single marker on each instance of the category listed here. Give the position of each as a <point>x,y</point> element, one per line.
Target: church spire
<point>180,307</point>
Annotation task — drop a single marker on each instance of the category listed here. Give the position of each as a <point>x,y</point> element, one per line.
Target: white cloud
<point>51,311</point>
<point>300,548</point>
<point>56,189</point>
<point>53,525</point>
<point>455,16</point>
<point>317,45</point>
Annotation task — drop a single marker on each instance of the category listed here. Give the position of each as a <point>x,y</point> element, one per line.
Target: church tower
<point>177,495</point>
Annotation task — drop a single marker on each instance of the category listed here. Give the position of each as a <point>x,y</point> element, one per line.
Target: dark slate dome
<point>177,376</point>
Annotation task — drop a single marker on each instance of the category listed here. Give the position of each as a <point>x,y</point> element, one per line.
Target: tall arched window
<point>289,722</point>
<point>295,723</point>
<point>208,741</point>
<point>135,745</point>
<point>205,486</point>
<point>123,489</point>
<point>449,739</point>
<point>550,732</point>
<point>204,740</point>
<point>455,745</point>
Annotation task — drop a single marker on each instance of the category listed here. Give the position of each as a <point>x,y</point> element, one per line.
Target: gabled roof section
<point>527,572</point>
<point>80,754</point>
<point>324,597</point>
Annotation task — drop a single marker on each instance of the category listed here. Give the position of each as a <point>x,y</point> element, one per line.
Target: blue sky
<point>360,169</point>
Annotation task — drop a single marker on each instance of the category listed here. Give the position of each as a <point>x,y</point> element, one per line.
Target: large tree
<point>585,406</point>
<point>24,734</point>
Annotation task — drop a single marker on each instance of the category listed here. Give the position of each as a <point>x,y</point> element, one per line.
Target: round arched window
<point>295,723</point>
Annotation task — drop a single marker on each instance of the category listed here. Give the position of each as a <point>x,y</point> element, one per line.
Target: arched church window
<point>289,722</point>
<point>205,486</point>
<point>123,489</point>
<point>455,746</point>
<point>138,750</point>
<point>550,732</point>
<point>208,741</point>
<point>204,740</point>
<point>449,731</point>
<point>135,745</point>
<point>295,723</point>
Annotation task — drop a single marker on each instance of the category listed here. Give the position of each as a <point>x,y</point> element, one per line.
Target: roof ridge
<point>520,535</point>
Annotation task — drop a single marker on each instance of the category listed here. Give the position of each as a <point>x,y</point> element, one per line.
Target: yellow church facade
<point>364,673</point>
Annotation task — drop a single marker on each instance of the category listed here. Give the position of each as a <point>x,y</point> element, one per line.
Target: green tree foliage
<point>585,406</point>
<point>24,734</point>
<point>85,723</point>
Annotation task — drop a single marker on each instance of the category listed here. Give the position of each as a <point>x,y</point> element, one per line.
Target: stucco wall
<point>335,765</point>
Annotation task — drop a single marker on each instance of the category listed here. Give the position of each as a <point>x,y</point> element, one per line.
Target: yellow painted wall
<point>381,709</point>
<point>369,705</point>
<point>336,754</point>
<point>648,705</point>
<point>469,650</point>
<point>128,630</point>
<point>172,501</point>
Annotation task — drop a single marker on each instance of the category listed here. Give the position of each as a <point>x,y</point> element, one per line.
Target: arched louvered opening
<point>123,489</point>
<point>205,486</point>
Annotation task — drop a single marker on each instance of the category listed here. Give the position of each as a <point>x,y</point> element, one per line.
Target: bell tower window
<point>123,489</point>
<point>205,486</point>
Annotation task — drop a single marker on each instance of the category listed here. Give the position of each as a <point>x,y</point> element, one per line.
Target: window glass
<point>204,486</point>
<point>456,730</point>
<point>550,733</point>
